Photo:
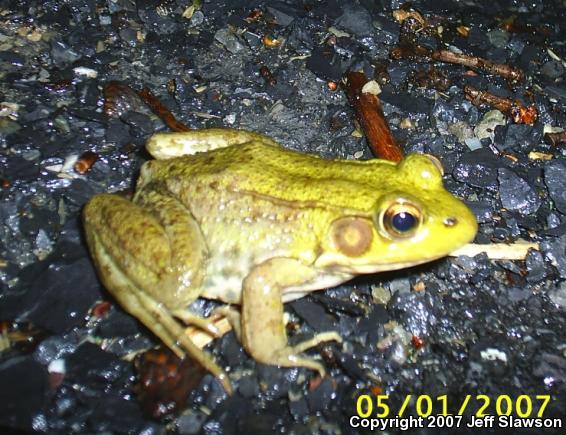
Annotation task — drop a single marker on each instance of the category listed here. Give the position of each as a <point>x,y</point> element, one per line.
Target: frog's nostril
<point>450,221</point>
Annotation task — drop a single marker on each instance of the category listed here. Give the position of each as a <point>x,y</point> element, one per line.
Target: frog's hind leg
<point>262,328</point>
<point>158,320</point>
<point>168,145</point>
<point>145,260</point>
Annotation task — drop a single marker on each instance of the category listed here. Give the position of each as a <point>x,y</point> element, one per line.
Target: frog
<point>231,215</point>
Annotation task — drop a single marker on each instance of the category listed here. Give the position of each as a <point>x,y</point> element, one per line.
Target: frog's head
<point>413,221</point>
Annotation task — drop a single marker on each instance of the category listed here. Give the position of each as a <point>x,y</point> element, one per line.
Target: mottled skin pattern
<point>230,215</point>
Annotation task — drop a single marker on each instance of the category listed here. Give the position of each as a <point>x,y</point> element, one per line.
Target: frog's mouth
<point>331,275</point>
<point>331,265</point>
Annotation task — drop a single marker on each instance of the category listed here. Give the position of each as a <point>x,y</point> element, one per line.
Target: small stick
<point>417,51</point>
<point>370,115</point>
<point>555,139</point>
<point>119,98</point>
<point>85,162</point>
<point>160,110</point>
<point>201,338</point>
<point>514,109</point>
<point>503,70</point>
<point>267,75</point>
<point>497,251</point>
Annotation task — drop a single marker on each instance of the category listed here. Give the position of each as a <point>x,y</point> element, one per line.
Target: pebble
<point>62,54</point>
<point>314,314</point>
<point>486,127</point>
<point>478,168</point>
<point>498,37</point>
<point>516,194</point>
<point>229,40</point>
<point>355,19</point>
<point>552,69</point>
<point>555,180</point>
<point>24,384</point>
<point>555,251</point>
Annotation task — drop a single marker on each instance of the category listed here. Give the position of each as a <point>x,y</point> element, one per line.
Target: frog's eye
<point>400,219</point>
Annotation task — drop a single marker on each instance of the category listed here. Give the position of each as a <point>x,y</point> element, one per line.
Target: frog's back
<point>282,174</point>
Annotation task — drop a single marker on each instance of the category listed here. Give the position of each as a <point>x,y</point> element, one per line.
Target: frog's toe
<point>288,357</point>
<point>323,337</point>
<point>206,324</point>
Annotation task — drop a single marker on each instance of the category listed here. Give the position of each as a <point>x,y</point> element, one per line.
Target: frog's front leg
<point>262,329</point>
<point>149,255</point>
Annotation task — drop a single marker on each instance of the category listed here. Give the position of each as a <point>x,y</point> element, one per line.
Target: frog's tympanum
<point>232,216</point>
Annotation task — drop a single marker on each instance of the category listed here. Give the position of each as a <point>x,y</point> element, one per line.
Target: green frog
<point>231,215</point>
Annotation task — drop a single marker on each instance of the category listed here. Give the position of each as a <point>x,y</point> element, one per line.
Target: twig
<point>267,75</point>
<point>119,98</point>
<point>555,139</point>
<point>200,338</point>
<point>514,109</point>
<point>416,52</point>
<point>85,162</point>
<point>370,115</point>
<point>160,110</point>
<point>497,251</point>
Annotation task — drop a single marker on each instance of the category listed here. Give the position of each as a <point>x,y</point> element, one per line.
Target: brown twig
<point>503,70</point>
<point>416,52</point>
<point>512,108</point>
<point>370,115</point>
<point>119,98</point>
<point>160,110</point>
<point>555,139</point>
<point>267,75</point>
<point>85,162</point>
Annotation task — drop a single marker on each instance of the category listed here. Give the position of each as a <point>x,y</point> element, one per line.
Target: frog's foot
<point>168,145</point>
<point>290,356</point>
<point>190,318</point>
<point>263,329</point>
<point>173,335</point>
<point>159,320</point>
<point>323,337</point>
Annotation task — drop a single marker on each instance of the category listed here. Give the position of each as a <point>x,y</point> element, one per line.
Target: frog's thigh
<point>263,329</point>
<point>155,242</point>
<point>182,272</point>
<point>168,145</point>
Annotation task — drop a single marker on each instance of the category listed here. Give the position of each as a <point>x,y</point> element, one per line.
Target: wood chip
<point>497,251</point>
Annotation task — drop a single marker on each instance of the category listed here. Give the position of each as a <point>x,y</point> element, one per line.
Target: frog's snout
<point>463,227</point>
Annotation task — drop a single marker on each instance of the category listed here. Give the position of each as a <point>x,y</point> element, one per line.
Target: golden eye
<point>401,219</point>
